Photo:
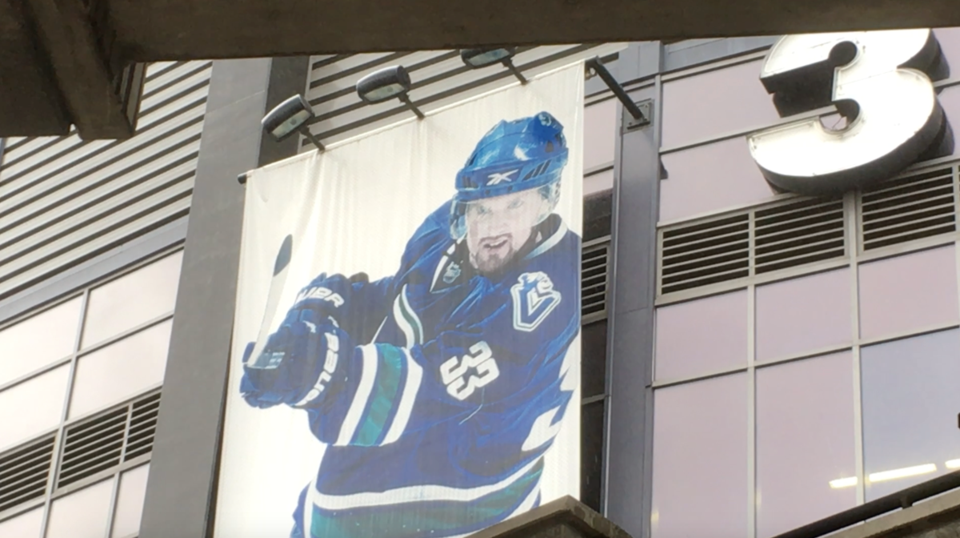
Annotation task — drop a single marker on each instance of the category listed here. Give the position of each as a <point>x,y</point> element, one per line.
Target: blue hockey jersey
<point>439,413</point>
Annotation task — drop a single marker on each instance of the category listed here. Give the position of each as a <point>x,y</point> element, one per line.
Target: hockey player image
<point>437,390</point>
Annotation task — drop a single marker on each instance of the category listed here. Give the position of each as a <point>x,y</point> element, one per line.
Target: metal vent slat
<point>24,472</point>
<point>64,200</point>
<point>907,209</point>
<point>798,233</point>
<point>705,253</point>
<point>593,280</point>
<point>751,242</point>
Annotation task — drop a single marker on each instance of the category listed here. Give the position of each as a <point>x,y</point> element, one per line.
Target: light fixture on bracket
<point>385,84</point>
<point>477,58</point>
<point>640,112</point>
<point>289,117</point>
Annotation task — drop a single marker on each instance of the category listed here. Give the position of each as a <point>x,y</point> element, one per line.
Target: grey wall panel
<point>64,200</point>
<point>439,78</point>
<point>181,492</point>
<point>630,329</point>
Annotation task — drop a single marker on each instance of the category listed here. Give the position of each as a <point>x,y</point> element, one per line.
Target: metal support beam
<point>101,103</point>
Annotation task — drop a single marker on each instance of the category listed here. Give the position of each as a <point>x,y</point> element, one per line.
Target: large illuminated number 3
<point>879,81</point>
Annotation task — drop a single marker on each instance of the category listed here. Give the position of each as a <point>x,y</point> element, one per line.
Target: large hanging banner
<point>406,343</point>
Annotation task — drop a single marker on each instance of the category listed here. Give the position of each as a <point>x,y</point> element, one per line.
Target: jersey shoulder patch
<point>533,300</point>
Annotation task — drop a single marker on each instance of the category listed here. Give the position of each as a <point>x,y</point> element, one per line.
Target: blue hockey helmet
<point>514,156</point>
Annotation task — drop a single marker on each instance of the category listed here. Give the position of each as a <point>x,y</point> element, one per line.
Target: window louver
<point>705,253</point>
<point>593,280</point>
<point>797,234</point>
<point>109,439</point>
<point>754,242</point>
<point>907,209</point>
<point>24,472</point>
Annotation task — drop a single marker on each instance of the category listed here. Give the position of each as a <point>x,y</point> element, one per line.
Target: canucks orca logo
<point>533,300</point>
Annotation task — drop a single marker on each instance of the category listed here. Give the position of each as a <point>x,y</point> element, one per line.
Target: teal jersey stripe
<point>386,392</point>
<point>428,518</point>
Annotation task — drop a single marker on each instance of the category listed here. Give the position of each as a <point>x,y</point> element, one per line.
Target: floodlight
<point>477,58</point>
<point>385,84</point>
<point>289,117</point>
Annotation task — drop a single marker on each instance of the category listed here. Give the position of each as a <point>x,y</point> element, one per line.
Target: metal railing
<point>902,499</point>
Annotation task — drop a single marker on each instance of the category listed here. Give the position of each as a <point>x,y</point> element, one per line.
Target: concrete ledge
<point>563,518</point>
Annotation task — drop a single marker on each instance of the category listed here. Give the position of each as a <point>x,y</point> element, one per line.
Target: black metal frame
<point>901,499</point>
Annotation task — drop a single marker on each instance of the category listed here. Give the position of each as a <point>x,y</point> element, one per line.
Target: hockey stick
<point>280,266</point>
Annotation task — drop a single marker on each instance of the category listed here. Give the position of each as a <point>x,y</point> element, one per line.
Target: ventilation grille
<point>439,78</point>
<point>705,254</point>
<point>24,472</point>
<point>753,242</point>
<point>64,200</point>
<point>593,280</point>
<point>798,234</point>
<point>908,209</point>
<point>109,439</point>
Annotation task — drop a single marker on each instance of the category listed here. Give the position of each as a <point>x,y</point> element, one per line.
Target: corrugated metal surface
<point>63,200</point>
<point>439,78</point>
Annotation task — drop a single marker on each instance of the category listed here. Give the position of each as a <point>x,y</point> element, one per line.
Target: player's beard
<point>491,262</point>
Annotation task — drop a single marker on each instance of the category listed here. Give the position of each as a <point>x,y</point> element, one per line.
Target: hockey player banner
<point>406,343</point>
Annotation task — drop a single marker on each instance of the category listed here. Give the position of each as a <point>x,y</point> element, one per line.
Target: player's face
<point>497,227</point>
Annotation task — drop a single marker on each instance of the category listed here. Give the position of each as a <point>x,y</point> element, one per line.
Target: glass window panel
<point>804,314</point>
<point>38,341</point>
<point>132,299</point>
<point>949,99</point>
<point>601,181</point>
<point>120,370</point>
<point>593,358</point>
<point>23,526</point>
<point>715,103</point>
<point>33,407</point>
<point>909,292</point>
<point>805,441</point>
<point>949,39</point>
<point>910,405</point>
<point>133,488</point>
<point>599,133</point>
<point>710,178</point>
<point>702,336</point>
<point>700,459</point>
<point>591,454</point>
<point>83,514</point>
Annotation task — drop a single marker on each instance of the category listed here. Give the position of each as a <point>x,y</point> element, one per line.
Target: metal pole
<point>305,131</point>
<point>513,69</point>
<point>616,88</point>
<point>406,99</point>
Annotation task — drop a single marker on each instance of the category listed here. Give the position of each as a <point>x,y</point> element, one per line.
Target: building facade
<point>752,360</point>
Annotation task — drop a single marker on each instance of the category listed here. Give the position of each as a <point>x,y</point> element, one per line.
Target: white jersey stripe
<point>405,327</point>
<point>412,494</point>
<point>402,417</point>
<point>368,375</point>
<point>549,243</point>
<point>417,324</point>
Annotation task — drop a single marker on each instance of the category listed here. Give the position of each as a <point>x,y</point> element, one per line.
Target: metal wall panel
<point>439,78</point>
<point>64,200</point>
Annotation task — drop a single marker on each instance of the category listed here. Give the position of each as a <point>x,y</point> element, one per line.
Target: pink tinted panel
<point>599,133</point>
<point>805,440</point>
<point>804,314</point>
<point>715,103</point>
<point>909,292</point>
<point>702,336</point>
<point>710,178</point>
<point>949,99</point>
<point>949,39</point>
<point>700,459</point>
